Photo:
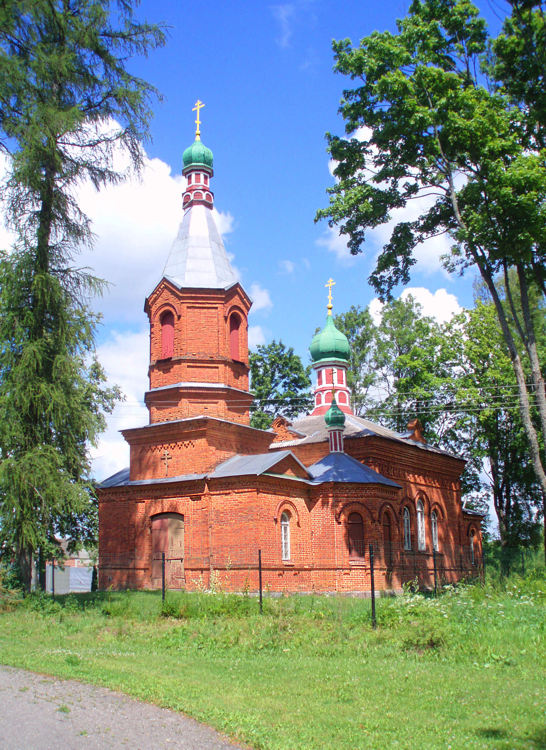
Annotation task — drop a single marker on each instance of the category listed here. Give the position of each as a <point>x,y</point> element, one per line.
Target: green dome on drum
<point>334,417</point>
<point>330,343</point>
<point>197,155</point>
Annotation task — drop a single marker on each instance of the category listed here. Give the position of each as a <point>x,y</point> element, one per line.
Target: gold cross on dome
<point>198,106</point>
<point>330,283</point>
<point>166,458</point>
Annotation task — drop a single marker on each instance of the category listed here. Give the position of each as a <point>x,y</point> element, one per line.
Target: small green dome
<point>329,343</point>
<point>334,417</point>
<point>197,155</point>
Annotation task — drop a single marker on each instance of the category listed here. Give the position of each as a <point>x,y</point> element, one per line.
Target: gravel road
<point>45,713</point>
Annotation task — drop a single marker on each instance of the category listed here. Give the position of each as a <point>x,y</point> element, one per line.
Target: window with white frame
<point>434,529</point>
<point>285,535</point>
<point>407,529</point>
<point>420,526</point>
<point>472,551</point>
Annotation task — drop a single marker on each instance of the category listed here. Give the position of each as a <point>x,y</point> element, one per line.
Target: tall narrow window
<point>285,535</point>
<point>167,334</point>
<point>387,539</point>
<point>355,536</point>
<point>234,326</point>
<point>434,529</point>
<point>420,526</point>
<point>407,529</point>
<point>472,550</point>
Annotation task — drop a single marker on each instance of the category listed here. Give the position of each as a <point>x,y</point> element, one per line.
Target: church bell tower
<point>198,313</point>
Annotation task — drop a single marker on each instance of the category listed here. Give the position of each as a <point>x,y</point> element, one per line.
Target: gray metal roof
<point>339,467</point>
<point>198,257</point>
<point>236,466</point>
<point>335,467</point>
<point>314,429</point>
<point>255,464</point>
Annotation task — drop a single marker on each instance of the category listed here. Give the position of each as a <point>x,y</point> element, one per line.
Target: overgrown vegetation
<point>459,670</point>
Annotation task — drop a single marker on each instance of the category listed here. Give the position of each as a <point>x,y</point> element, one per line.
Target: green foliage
<point>428,129</point>
<point>279,382</point>
<point>485,398</point>
<point>66,100</point>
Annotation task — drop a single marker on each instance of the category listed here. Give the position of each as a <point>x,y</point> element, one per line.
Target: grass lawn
<point>465,670</point>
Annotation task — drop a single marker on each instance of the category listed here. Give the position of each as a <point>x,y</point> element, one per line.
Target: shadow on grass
<point>535,739</point>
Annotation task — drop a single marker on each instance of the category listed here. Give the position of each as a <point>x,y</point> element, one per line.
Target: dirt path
<point>46,713</point>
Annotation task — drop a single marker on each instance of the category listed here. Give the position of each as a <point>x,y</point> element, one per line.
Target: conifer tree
<point>67,100</point>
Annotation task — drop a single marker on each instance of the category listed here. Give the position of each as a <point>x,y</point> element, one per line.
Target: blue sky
<point>264,72</point>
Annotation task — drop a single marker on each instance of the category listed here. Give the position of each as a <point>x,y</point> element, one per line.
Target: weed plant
<point>464,669</point>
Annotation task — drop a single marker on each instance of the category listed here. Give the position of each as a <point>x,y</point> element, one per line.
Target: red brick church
<point>208,491</point>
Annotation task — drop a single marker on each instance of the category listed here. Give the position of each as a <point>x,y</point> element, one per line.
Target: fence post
<point>372,581</point>
<point>483,567</point>
<point>53,578</point>
<point>522,562</point>
<point>435,572</point>
<point>260,579</point>
<point>162,576</point>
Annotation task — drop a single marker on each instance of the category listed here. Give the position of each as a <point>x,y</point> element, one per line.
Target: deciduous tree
<point>432,129</point>
<point>279,382</point>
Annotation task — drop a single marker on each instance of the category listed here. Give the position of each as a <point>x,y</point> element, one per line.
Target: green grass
<point>463,670</point>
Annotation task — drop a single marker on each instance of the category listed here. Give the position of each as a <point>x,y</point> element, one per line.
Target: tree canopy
<point>67,99</point>
<point>441,118</point>
<point>279,382</point>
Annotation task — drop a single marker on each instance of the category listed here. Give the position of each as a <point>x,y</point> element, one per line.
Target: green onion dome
<point>329,343</point>
<point>334,417</point>
<point>197,155</point>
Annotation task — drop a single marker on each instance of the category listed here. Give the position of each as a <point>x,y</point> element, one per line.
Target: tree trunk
<point>524,405</point>
<point>24,564</point>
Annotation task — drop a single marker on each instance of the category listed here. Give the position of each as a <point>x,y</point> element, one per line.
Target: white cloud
<point>125,358</point>
<point>224,221</point>
<point>440,304</point>
<point>376,310</point>
<point>287,266</point>
<point>336,243</point>
<point>284,15</point>
<point>260,298</point>
<point>256,336</point>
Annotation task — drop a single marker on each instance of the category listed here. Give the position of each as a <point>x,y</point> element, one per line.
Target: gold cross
<point>166,458</point>
<point>330,284</point>
<point>198,106</point>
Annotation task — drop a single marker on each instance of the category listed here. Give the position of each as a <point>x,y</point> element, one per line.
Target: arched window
<point>167,334</point>
<point>285,535</point>
<point>387,539</point>
<point>407,528</point>
<point>234,326</point>
<point>319,399</point>
<point>355,536</point>
<point>472,538</point>
<point>342,398</point>
<point>421,545</point>
<point>434,529</point>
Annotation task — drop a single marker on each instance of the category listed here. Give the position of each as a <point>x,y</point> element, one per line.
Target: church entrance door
<point>168,537</point>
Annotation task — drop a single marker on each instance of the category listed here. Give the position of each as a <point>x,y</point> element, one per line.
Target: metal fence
<point>378,565</point>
